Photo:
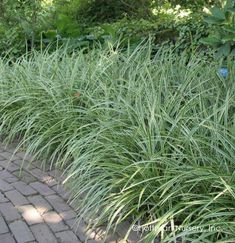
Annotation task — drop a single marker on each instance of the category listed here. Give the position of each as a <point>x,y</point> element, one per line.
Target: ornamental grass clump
<point>142,138</point>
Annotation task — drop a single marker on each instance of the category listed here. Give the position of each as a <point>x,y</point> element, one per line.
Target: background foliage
<point>105,10</point>
<point>40,24</point>
<point>222,29</point>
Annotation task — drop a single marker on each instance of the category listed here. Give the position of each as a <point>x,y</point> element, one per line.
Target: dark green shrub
<point>104,10</point>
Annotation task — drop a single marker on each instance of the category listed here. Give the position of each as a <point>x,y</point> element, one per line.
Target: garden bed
<point>144,139</point>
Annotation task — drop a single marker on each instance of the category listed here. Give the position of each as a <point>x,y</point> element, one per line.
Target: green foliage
<point>25,24</point>
<point>67,27</point>
<point>104,10</point>
<point>222,36</point>
<point>197,5</point>
<point>12,42</point>
<point>142,138</point>
<point>193,3</point>
<point>186,32</point>
<point>22,22</point>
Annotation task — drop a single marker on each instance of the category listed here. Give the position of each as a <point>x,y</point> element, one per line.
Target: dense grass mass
<point>144,138</point>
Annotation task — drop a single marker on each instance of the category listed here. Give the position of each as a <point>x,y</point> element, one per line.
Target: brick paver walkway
<point>33,205</point>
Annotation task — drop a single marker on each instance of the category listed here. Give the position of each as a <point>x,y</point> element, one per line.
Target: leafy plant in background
<point>21,23</point>
<point>163,27</point>
<point>26,24</point>
<point>222,36</point>
<point>12,42</point>
<point>186,32</point>
<point>100,11</point>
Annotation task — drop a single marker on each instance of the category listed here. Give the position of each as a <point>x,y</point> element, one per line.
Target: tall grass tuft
<point>148,139</point>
